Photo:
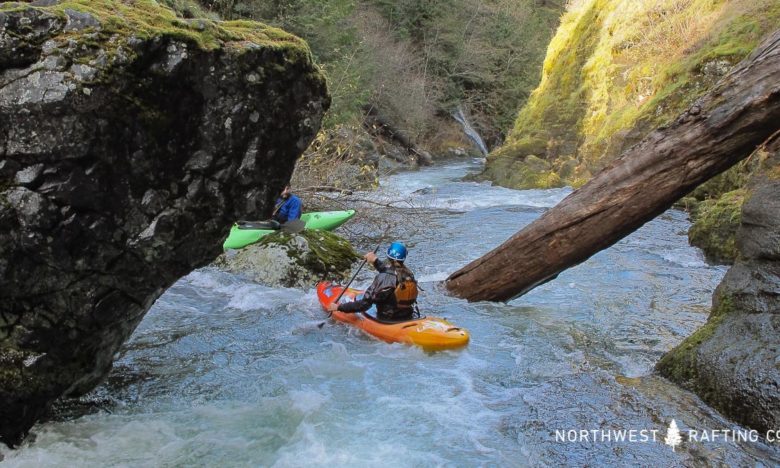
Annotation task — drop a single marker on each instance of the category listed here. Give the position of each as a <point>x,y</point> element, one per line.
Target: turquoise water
<point>230,373</point>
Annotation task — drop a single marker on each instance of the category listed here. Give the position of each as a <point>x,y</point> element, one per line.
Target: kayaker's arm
<point>374,261</point>
<point>360,305</point>
<point>379,291</point>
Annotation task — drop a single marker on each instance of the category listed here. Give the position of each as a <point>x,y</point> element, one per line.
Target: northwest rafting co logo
<point>673,437</point>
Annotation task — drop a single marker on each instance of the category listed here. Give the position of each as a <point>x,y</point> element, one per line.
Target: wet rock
<point>732,361</point>
<point>534,172</point>
<point>77,20</point>
<point>715,223</point>
<point>120,174</point>
<point>292,260</point>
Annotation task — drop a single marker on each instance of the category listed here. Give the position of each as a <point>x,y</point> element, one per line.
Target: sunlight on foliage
<point>616,69</point>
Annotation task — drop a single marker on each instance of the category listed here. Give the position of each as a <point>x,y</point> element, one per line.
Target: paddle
<point>362,264</point>
<point>293,226</point>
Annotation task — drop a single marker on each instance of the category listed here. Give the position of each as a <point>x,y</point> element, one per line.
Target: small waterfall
<point>460,116</point>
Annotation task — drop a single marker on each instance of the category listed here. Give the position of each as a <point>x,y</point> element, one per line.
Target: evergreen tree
<point>673,438</point>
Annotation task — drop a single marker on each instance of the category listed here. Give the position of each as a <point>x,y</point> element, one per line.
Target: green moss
<point>728,181</point>
<point>715,224</point>
<point>327,253</point>
<point>533,172</point>
<point>189,9</point>
<point>145,19</point>
<point>680,364</point>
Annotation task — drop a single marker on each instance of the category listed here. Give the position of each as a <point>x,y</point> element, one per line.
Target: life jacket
<point>406,290</point>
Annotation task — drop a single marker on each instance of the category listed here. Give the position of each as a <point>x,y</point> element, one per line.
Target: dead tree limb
<point>720,129</point>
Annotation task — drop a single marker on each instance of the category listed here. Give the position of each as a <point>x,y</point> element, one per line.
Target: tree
<point>673,438</point>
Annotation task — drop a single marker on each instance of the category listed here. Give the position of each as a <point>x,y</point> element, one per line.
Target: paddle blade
<point>294,226</point>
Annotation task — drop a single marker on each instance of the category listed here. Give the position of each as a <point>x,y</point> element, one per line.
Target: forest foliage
<point>418,60</point>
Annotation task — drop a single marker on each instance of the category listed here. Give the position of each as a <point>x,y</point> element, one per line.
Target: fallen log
<point>720,129</point>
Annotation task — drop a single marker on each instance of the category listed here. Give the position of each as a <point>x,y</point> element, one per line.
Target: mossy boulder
<point>131,139</point>
<point>293,260</point>
<point>732,361</point>
<point>715,224</point>
<point>534,172</point>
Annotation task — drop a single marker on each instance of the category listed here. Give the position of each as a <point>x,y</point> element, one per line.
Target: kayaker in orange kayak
<point>394,290</point>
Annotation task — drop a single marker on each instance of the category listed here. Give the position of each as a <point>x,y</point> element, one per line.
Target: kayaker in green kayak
<point>394,290</point>
<point>288,206</point>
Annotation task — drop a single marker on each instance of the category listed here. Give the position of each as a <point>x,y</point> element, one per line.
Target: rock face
<point>733,361</point>
<point>715,225</point>
<point>613,73</point>
<point>292,260</point>
<point>130,140</point>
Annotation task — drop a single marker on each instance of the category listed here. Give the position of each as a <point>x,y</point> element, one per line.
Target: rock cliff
<point>130,140</point>
<point>732,361</point>
<point>616,70</point>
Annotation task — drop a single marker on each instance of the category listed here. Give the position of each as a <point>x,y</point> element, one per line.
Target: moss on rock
<point>715,224</point>
<point>146,19</point>
<point>534,172</point>
<point>322,252</point>
<point>681,363</point>
<point>731,362</point>
<point>293,260</point>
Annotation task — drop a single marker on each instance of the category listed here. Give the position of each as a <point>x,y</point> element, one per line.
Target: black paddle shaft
<point>362,264</point>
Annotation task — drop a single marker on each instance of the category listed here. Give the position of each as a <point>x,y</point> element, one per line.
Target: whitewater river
<point>224,372</point>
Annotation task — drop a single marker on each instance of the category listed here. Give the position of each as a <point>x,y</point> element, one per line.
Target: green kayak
<point>249,233</point>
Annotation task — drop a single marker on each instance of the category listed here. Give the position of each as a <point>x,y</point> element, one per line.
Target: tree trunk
<point>715,133</point>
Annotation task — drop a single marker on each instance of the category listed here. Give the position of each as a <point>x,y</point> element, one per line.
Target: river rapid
<point>225,372</point>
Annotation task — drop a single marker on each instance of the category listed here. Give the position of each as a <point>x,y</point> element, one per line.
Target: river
<point>225,372</point>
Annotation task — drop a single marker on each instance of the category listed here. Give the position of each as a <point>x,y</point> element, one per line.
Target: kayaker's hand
<point>332,307</point>
<point>370,258</point>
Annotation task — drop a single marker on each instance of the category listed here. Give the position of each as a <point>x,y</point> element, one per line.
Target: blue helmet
<point>397,251</point>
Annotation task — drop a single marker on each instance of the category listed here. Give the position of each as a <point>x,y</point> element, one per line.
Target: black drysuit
<point>382,293</point>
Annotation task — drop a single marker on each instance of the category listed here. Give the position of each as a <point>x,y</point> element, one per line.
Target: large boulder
<point>733,361</point>
<point>292,260</point>
<point>130,140</point>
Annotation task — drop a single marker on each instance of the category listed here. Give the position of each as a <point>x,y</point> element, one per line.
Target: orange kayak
<point>430,333</point>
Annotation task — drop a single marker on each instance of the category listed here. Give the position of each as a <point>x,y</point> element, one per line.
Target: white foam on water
<point>433,277</point>
<point>254,296</point>
<point>307,401</point>
<point>481,196</point>
<point>93,441</point>
<point>442,188</point>
<point>685,257</point>
<point>311,447</point>
<point>210,279</point>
